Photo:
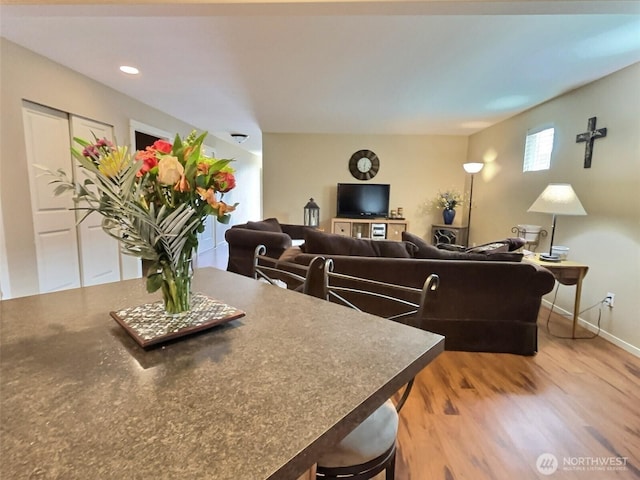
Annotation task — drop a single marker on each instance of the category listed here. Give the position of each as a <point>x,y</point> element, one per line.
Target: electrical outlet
<point>608,300</point>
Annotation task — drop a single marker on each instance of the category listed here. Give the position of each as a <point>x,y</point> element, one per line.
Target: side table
<point>566,272</point>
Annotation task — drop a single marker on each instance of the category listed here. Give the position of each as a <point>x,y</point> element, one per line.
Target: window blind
<point>537,150</point>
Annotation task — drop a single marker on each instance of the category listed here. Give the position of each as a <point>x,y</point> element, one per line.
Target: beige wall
<point>297,167</point>
<point>26,75</point>
<point>608,238</point>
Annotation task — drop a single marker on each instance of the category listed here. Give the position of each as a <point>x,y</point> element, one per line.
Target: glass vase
<point>176,286</point>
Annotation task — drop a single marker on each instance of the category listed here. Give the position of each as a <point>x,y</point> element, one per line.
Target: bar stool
<point>366,451</point>
<point>371,447</point>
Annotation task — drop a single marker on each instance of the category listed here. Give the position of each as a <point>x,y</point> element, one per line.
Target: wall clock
<point>364,164</point>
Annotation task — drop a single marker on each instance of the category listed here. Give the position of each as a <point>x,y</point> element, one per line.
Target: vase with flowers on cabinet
<point>447,201</point>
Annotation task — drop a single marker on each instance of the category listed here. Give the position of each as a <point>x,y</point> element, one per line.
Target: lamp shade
<point>473,167</point>
<point>559,199</point>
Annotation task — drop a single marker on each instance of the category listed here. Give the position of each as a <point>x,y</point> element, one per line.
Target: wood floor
<point>490,416</point>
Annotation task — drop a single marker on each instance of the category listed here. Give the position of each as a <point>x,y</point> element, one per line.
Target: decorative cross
<point>588,137</point>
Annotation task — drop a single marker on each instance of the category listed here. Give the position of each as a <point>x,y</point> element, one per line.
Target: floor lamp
<point>557,199</point>
<point>471,168</point>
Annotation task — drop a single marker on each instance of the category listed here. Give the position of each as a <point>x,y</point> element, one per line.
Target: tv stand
<point>370,227</point>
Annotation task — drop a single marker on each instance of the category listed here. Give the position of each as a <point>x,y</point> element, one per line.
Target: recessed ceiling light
<point>129,70</point>
<point>239,137</point>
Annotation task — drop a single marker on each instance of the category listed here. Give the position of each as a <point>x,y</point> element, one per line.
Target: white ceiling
<point>357,67</point>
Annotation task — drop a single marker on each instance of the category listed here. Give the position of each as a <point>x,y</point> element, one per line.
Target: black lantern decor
<point>312,214</point>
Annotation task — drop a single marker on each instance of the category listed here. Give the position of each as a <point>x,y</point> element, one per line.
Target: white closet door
<point>206,239</point>
<point>47,144</point>
<point>99,253</point>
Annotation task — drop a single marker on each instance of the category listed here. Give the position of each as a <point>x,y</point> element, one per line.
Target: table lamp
<point>472,168</point>
<point>557,199</point>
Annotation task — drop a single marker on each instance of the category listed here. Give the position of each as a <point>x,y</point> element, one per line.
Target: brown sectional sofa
<point>487,301</point>
<point>482,304</point>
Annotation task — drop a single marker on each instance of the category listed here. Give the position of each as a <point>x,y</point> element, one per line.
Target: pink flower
<point>149,159</point>
<point>90,151</point>
<point>103,142</point>
<point>224,181</point>
<point>162,146</point>
<point>101,147</point>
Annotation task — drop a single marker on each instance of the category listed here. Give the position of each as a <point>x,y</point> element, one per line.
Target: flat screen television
<point>356,200</point>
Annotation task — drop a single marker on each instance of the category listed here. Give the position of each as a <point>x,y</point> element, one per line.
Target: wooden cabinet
<point>376,228</point>
<point>343,228</point>
<point>395,229</point>
<point>449,234</point>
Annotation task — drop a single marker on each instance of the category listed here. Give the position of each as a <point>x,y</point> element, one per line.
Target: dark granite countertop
<point>257,398</point>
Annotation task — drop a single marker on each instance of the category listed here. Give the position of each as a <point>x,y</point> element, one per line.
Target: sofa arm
<point>243,237</point>
<point>243,242</point>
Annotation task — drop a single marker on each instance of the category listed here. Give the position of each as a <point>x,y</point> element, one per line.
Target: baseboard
<point>633,350</point>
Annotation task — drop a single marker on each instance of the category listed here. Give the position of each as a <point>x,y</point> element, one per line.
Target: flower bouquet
<point>447,201</point>
<point>154,203</point>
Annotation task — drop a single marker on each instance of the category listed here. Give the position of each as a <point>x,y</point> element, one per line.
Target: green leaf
<point>220,164</point>
<point>202,181</point>
<point>177,144</point>
<point>81,141</point>
<point>154,282</point>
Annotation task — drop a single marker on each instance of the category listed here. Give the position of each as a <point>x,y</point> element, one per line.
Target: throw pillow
<point>335,244</point>
<point>430,252</point>
<point>490,248</point>
<point>425,250</point>
<point>515,243</point>
<point>266,225</point>
<point>501,246</point>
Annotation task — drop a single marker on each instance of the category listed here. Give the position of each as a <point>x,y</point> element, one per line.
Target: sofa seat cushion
<point>334,244</point>
<point>367,441</point>
<point>495,251</point>
<point>266,225</point>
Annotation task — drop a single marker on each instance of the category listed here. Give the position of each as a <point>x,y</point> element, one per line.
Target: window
<point>537,150</point>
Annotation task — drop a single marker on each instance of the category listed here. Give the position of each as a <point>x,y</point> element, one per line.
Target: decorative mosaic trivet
<point>149,324</point>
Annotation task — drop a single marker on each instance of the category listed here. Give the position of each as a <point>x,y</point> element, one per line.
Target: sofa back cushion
<point>266,225</point>
<point>334,244</point>
<point>497,254</point>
